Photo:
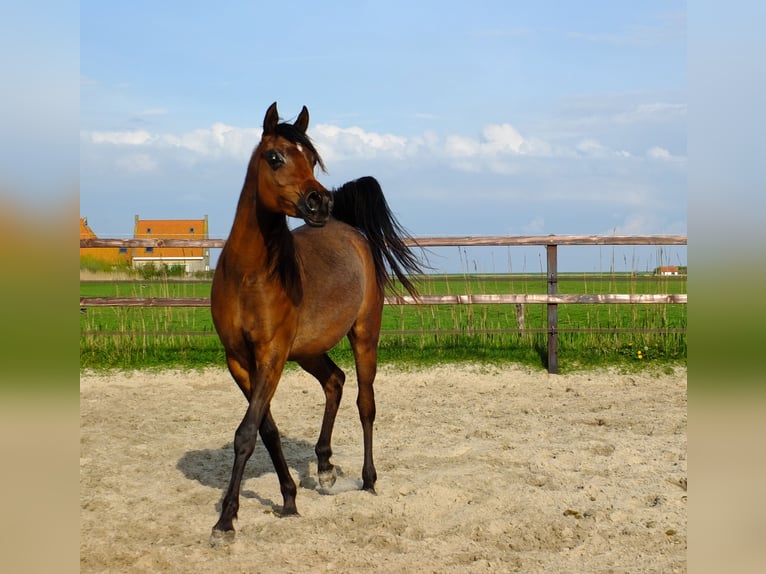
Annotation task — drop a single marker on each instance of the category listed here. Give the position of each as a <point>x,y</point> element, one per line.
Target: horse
<point>283,295</point>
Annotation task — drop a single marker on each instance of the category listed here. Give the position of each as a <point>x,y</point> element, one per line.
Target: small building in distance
<point>191,258</point>
<point>669,270</point>
<point>103,256</point>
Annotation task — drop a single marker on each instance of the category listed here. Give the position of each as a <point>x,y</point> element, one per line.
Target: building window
<point>150,250</point>
<point>123,249</point>
<point>148,229</point>
<point>191,230</point>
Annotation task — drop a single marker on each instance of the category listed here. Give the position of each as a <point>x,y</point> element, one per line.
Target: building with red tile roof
<point>191,258</point>
<point>669,270</point>
<point>116,256</point>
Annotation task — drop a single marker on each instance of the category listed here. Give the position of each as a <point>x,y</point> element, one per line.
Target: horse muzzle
<point>315,206</point>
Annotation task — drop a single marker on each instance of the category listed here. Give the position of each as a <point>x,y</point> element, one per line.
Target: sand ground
<point>480,469</point>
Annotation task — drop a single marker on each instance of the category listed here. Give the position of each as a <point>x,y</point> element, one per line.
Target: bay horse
<point>280,295</point>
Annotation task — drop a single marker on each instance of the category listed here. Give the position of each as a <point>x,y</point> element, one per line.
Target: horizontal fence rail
<point>521,299</point>
<point>594,330</point>
<point>551,299</point>
<point>465,241</point>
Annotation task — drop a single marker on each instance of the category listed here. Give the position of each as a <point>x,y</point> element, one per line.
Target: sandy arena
<point>480,469</point>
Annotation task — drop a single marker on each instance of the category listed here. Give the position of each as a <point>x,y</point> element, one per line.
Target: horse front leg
<point>332,379</point>
<point>244,445</point>
<point>273,444</point>
<point>245,438</point>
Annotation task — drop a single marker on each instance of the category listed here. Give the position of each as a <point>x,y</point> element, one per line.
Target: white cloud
<point>658,153</point>
<point>461,146</point>
<point>496,140</point>
<point>336,143</point>
<point>498,148</point>
<point>219,140</point>
<point>593,148</point>
<point>590,147</point>
<point>501,138</point>
<point>662,154</point>
<point>130,138</point>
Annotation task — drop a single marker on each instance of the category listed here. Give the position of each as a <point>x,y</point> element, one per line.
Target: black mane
<point>296,136</point>
<point>279,241</point>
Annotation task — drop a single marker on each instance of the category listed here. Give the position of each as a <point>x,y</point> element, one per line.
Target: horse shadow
<point>212,468</point>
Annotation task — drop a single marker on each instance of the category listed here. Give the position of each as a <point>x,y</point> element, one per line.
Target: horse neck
<point>261,243</point>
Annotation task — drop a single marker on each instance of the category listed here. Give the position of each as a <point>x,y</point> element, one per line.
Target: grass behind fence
<point>130,337</point>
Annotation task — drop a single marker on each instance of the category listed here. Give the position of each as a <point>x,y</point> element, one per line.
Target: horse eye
<point>274,159</point>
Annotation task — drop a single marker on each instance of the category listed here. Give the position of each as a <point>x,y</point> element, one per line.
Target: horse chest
<point>265,311</point>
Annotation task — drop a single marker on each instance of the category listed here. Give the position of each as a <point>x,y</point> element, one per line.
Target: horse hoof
<point>286,513</point>
<point>327,479</point>
<point>221,538</point>
<point>369,488</point>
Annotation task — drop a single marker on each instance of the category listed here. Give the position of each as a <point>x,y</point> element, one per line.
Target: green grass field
<point>132,337</point>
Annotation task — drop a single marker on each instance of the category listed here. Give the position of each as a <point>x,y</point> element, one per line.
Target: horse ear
<point>271,120</point>
<point>302,123</point>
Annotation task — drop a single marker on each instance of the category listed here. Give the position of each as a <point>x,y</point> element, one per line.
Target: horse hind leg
<point>332,379</point>
<point>366,358</point>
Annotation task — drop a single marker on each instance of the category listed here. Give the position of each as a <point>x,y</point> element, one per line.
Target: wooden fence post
<point>553,311</point>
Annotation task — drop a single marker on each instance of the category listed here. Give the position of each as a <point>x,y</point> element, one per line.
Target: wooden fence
<point>552,298</point>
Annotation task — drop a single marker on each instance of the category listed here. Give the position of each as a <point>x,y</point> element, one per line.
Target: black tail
<point>361,204</point>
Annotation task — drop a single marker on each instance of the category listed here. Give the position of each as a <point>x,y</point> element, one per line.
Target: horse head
<point>284,164</point>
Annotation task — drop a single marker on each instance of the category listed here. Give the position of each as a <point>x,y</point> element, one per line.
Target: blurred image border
<point>39,364</point>
<point>726,425</point>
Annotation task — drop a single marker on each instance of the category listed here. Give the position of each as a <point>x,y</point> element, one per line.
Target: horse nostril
<point>313,201</point>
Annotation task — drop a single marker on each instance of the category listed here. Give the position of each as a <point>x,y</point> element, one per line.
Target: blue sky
<point>496,118</point>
